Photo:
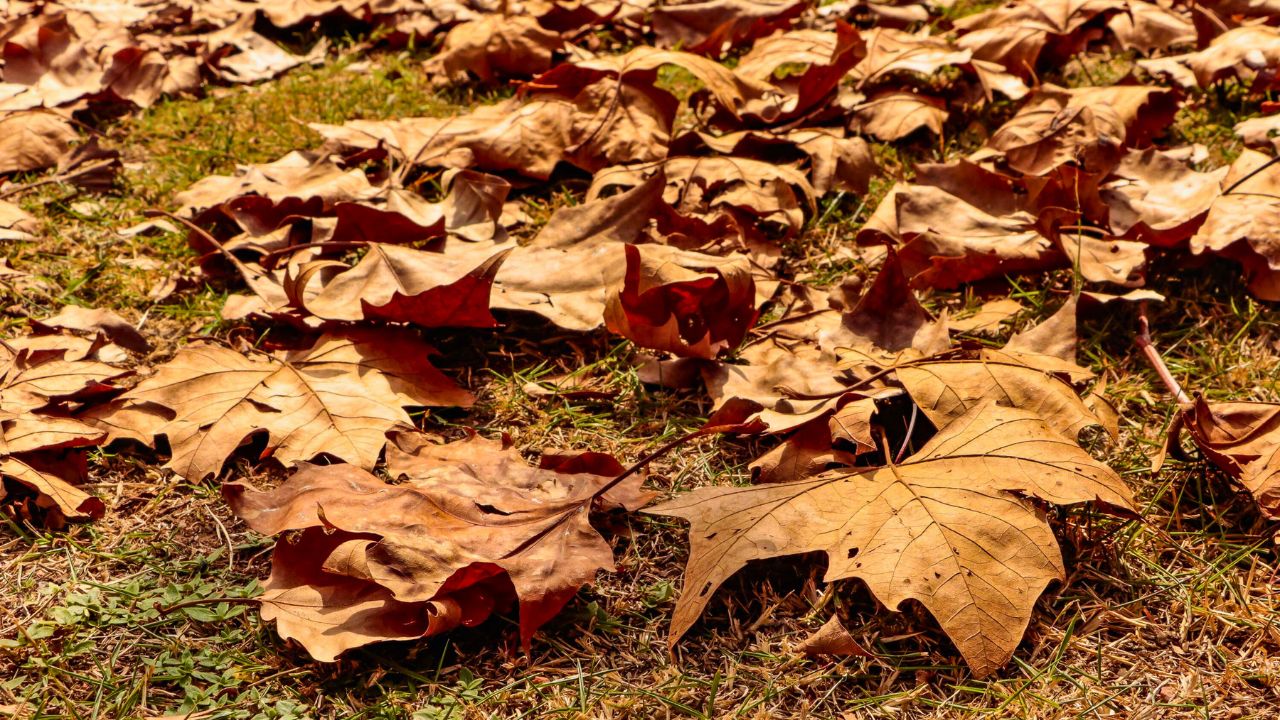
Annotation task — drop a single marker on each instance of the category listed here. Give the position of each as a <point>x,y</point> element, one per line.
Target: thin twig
<point>1157,362</point>
<point>911,428</point>
<point>54,179</point>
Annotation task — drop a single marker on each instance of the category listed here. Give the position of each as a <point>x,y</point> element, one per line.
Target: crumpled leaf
<point>1243,439</point>
<point>1248,53</point>
<point>1157,198</point>
<point>951,527</point>
<point>37,452</point>
<point>467,514</point>
<point>399,284</point>
<point>97,321</point>
<point>678,308</point>
<point>492,46</point>
<point>36,375</point>
<point>710,27</point>
<point>1149,26</point>
<point>892,115</point>
<point>1243,223</point>
<point>33,140</point>
<point>1022,36</point>
<point>1086,126</point>
<point>960,223</point>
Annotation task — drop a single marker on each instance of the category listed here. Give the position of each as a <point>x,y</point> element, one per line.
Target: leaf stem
<point>1157,362</point>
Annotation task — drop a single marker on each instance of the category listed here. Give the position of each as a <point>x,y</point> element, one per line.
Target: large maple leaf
<point>338,398</point>
<point>954,527</point>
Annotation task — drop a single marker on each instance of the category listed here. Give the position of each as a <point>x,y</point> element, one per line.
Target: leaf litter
<point>921,459</point>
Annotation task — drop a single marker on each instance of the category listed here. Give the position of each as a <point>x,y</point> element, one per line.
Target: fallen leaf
<point>399,284</point>
<point>1246,53</point>
<point>336,398</point>
<point>832,639</point>
<point>467,511</point>
<point>1242,222</point>
<point>712,26</point>
<point>33,140</point>
<point>97,321</point>
<point>491,46</point>
<point>37,452</point>
<point>1243,439</point>
<point>680,308</point>
<point>988,317</point>
<point>948,527</point>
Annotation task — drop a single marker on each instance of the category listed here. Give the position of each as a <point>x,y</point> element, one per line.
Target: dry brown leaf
<point>1023,35</point>
<point>888,326</point>
<point>97,321</point>
<point>710,27</point>
<point>962,223</point>
<point>945,391</point>
<point>15,224</point>
<point>834,162</point>
<point>1149,26</point>
<point>1260,132</point>
<point>746,204</point>
<point>1243,223</point>
<point>987,318</point>
<point>36,451</point>
<point>398,284</point>
<point>1249,53</point>
<point>466,513</point>
<point>1106,260</point>
<point>35,374</point>
<point>492,46</point>
<point>1157,198</point>
<point>951,527</point>
<point>296,175</point>
<point>1049,346</point>
<point>832,639</point>
<point>33,140</point>
<point>1242,438</point>
<point>806,65</point>
<point>682,309</point>
<point>892,116</point>
<point>336,398</point>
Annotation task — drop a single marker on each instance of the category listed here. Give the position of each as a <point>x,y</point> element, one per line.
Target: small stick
<point>911,428</point>
<point>1157,362</point>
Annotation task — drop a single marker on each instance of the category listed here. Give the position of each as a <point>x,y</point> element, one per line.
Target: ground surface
<point>1175,616</point>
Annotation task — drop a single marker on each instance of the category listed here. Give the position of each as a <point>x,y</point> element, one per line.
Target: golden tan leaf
<point>951,527</point>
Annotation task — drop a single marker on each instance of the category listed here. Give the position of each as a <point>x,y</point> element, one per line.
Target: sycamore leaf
<point>685,310</point>
<point>337,398</point>
<point>33,140</point>
<point>328,612</point>
<point>1244,224</point>
<point>947,390</point>
<point>34,451</point>
<point>466,514</point>
<point>1242,438</point>
<point>400,284</point>
<point>493,45</point>
<point>710,27</point>
<point>34,377</point>
<point>953,527</point>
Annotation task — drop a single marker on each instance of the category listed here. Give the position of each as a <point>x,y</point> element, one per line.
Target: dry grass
<point>1172,616</point>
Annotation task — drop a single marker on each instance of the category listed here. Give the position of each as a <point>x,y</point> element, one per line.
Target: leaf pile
<point>920,456</point>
